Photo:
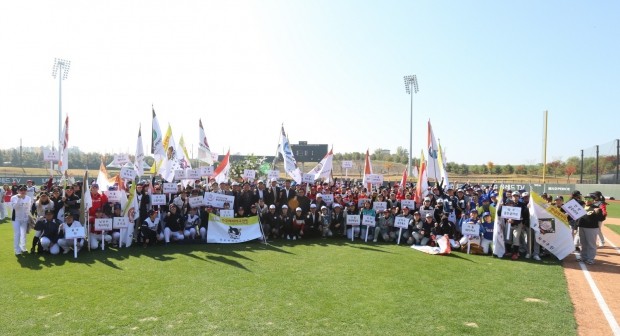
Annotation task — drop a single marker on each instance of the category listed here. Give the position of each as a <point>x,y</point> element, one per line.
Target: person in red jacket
<point>99,200</point>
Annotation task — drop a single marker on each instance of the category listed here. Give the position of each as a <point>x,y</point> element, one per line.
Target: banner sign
<point>74,232</point>
<point>347,164</point>
<point>273,174</point>
<point>353,220</point>
<point>379,206</point>
<point>574,209</point>
<point>206,171</point>
<point>550,227</point>
<point>227,213</point>
<point>407,203</point>
<point>114,196</point>
<point>193,174</point>
<point>103,224</point>
<point>249,174</point>
<point>328,199</point>
<point>307,178</point>
<point>196,201</point>
<point>401,222</point>
<point>120,223</point>
<point>128,173</point>
<point>170,188</point>
<point>179,174</point>
<point>158,199</point>
<point>368,220</point>
<point>217,200</point>
<point>50,155</point>
<point>469,229</point>
<point>374,178</point>
<point>424,212</point>
<point>121,159</point>
<point>510,212</point>
<point>233,230</point>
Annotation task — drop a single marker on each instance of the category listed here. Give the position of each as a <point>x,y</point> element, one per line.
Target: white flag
<point>432,164</point>
<point>63,165</point>
<point>233,230</point>
<point>550,226</point>
<point>157,144</point>
<point>290,165</point>
<point>102,177</point>
<point>324,168</point>
<point>204,151</point>
<point>139,159</point>
<point>499,227</point>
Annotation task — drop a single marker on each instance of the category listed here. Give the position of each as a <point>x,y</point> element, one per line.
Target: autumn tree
<point>569,170</point>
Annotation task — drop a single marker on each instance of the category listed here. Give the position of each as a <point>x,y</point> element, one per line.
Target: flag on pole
<point>157,145</point>
<point>175,157</point>
<point>414,171</point>
<point>403,180</point>
<point>102,177</point>
<point>204,151</point>
<point>422,186</point>
<point>367,170</point>
<point>138,162</point>
<point>432,165</point>
<point>184,157</point>
<point>551,228</point>
<point>442,167</point>
<point>324,168</point>
<point>220,174</point>
<point>499,239</point>
<point>290,165</point>
<point>63,165</point>
<point>87,201</point>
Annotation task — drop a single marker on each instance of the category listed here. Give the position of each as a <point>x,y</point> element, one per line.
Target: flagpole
<point>411,82</point>
<point>544,150</point>
<point>275,158</point>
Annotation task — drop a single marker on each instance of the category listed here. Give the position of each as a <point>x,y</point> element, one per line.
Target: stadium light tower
<point>411,86</point>
<point>61,69</point>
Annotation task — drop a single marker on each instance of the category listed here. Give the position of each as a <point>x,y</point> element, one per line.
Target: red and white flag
<point>324,168</point>
<point>63,164</point>
<point>403,180</point>
<point>204,151</point>
<point>367,170</point>
<point>223,169</point>
<point>422,185</point>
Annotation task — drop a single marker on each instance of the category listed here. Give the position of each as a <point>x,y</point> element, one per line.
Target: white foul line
<point>612,245</point>
<point>615,328</point>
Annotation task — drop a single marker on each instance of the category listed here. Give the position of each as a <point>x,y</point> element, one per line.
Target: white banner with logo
<point>550,226</point>
<point>232,230</point>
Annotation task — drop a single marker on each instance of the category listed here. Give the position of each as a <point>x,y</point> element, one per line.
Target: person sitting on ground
<point>192,220</point>
<point>67,244</point>
<point>173,228</point>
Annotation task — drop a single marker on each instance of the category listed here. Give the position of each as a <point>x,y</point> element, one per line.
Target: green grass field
<point>322,287</point>
<point>613,209</point>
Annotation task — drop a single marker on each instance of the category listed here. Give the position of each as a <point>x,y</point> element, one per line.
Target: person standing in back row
<point>588,230</point>
<point>21,204</point>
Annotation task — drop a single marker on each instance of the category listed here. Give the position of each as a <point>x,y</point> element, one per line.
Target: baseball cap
<point>428,215</point>
<point>49,211</point>
<point>319,195</point>
<point>94,185</point>
<point>515,193</point>
<point>22,187</point>
<point>68,214</point>
<point>337,205</point>
<point>311,206</point>
<point>486,214</point>
<point>298,209</point>
<point>525,194</point>
<point>559,197</point>
<point>285,206</point>
<point>576,193</point>
<point>323,207</point>
<point>272,206</point>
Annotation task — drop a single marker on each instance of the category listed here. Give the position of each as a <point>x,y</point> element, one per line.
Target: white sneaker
<point>294,237</point>
<point>536,257</point>
<point>527,256</point>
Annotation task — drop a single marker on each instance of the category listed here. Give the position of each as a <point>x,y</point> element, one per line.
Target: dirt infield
<point>605,274</point>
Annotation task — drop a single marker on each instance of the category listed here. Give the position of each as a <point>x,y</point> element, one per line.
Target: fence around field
<point>600,163</point>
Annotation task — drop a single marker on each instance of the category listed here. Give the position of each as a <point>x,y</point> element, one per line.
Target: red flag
<point>221,172</point>
<point>403,180</point>
<point>367,170</point>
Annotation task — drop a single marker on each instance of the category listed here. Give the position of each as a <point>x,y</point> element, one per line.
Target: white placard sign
<point>50,155</point>
<point>158,199</point>
<point>120,223</point>
<point>510,212</point>
<point>424,212</point>
<point>227,213</point>
<point>307,178</point>
<point>401,222</point>
<point>379,206</point>
<point>217,200</point>
<point>179,174</point>
<point>353,220</point>
<point>368,220</point>
<point>361,201</point>
<point>74,232</point>
<point>347,164</point>
<point>206,171</point>
<point>574,209</point>
<point>469,229</point>
<point>249,174</point>
<point>273,174</point>
<point>103,224</point>
<point>374,178</point>
<point>114,195</point>
<point>328,199</point>
<point>193,174</point>
<point>121,159</point>
<point>128,173</point>
<point>196,201</point>
<point>407,203</point>
<point>170,188</point>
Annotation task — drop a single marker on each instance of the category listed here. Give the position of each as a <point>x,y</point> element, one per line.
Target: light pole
<point>411,86</point>
<point>61,69</point>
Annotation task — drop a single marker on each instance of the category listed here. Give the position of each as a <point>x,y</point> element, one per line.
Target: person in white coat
<point>21,205</point>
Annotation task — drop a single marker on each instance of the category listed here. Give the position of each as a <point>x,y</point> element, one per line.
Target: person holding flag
<point>588,230</point>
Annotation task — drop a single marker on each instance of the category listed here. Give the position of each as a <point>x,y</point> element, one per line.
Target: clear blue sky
<point>331,71</point>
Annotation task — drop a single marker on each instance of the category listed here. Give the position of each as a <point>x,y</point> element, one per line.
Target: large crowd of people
<point>289,211</point>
